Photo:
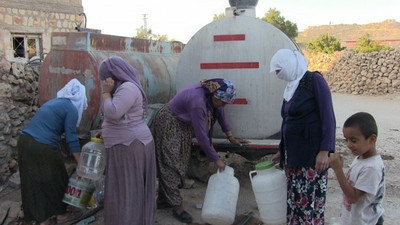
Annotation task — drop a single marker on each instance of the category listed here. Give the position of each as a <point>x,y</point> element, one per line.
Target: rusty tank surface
<point>79,54</point>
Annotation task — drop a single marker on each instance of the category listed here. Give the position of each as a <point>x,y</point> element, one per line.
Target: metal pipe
<point>246,219</point>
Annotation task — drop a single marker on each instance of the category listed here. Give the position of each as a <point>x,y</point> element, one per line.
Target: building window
<point>26,45</point>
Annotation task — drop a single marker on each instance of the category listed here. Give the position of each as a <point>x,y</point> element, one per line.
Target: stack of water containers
<point>219,207</point>
<point>269,187</point>
<point>91,166</point>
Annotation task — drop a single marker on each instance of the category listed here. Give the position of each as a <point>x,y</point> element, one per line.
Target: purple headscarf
<point>121,71</point>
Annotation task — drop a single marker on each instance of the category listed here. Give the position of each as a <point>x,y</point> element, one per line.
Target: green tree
<point>324,43</point>
<point>220,16</point>
<point>274,17</point>
<point>143,34</point>
<point>365,44</point>
<point>162,37</point>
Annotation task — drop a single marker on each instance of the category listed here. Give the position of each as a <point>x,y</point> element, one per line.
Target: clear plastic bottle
<point>97,198</point>
<point>92,160</point>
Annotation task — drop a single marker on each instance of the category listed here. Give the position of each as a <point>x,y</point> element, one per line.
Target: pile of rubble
<point>374,73</point>
<point>320,61</point>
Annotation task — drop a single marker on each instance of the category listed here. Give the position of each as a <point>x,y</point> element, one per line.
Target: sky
<point>181,19</point>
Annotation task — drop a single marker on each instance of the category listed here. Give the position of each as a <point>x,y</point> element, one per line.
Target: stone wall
<point>39,17</point>
<point>375,73</point>
<point>18,103</point>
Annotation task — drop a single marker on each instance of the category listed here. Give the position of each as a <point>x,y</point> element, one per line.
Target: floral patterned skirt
<point>306,196</point>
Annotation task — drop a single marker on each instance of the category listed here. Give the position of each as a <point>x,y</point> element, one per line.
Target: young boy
<point>364,184</point>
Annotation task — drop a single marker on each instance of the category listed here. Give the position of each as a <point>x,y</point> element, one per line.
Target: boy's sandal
<point>184,217</point>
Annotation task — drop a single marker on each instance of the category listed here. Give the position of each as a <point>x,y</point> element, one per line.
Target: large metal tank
<point>78,55</point>
<point>239,48</point>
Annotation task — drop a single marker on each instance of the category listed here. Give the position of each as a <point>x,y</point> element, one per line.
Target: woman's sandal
<point>184,217</point>
<point>52,221</point>
<point>72,217</point>
<point>163,205</point>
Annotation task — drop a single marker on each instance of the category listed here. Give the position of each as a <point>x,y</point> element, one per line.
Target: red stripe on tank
<point>240,101</point>
<point>227,65</point>
<point>230,37</point>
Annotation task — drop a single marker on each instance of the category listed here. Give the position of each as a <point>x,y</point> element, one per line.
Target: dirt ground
<point>385,109</point>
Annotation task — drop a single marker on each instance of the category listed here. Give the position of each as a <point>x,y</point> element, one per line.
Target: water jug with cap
<point>92,161</point>
<point>269,187</point>
<point>219,207</point>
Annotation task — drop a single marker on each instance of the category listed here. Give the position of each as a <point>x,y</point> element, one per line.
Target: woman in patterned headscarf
<point>197,108</point>
<point>44,177</point>
<point>308,135</point>
<point>130,183</point>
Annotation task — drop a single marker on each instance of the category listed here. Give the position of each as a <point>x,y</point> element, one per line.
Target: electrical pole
<point>145,25</point>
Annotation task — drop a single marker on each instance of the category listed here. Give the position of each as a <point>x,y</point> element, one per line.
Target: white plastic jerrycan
<point>270,190</point>
<point>219,207</point>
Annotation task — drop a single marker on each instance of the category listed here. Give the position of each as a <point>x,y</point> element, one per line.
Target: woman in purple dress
<point>130,183</point>
<point>194,109</point>
<point>308,136</point>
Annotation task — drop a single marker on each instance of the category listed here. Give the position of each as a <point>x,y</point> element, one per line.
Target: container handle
<point>250,175</point>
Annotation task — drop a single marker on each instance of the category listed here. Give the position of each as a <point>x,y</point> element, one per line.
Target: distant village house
<point>388,42</point>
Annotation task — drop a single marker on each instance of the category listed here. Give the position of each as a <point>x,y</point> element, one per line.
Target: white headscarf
<point>75,92</point>
<point>292,66</point>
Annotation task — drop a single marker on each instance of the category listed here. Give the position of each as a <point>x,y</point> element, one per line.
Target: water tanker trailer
<point>238,47</point>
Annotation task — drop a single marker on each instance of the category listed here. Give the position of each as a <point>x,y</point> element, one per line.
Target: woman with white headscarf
<point>307,136</point>
<point>44,177</point>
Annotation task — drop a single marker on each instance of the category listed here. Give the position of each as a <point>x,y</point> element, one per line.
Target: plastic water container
<point>97,198</point>
<point>219,207</point>
<point>78,192</point>
<point>270,190</point>
<point>92,161</point>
